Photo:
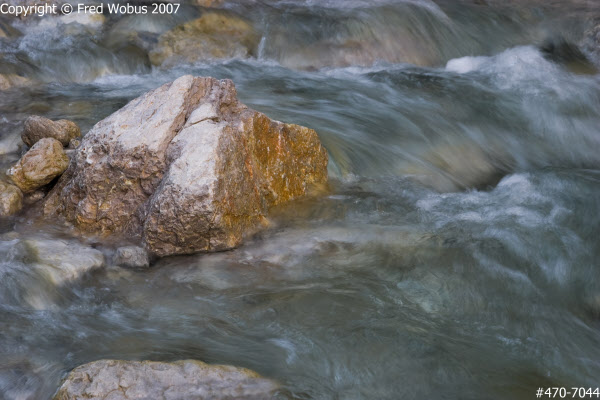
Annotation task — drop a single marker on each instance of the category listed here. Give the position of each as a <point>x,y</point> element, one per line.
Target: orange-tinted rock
<point>186,168</point>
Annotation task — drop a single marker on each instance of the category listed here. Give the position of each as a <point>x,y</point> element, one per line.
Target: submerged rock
<point>186,168</point>
<point>6,30</point>
<point>455,167</point>
<point>8,81</point>
<point>213,35</point>
<point>132,257</point>
<point>61,261</point>
<point>189,379</point>
<point>40,165</point>
<point>209,3</point>
<point>563,52</point>
<point>591,43</point>
<point>11,199</point>
<point>37,128</point>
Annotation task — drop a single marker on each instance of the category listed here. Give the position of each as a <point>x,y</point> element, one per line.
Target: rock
<point>11,199</point>
<point>6,30</point>
<point>213,35</point>
<point>9,81</point>
<point>74,143</point>
<point>186,168</point>
<point>123,380</point>
<point>37,128</point>
<point>10,143</point>
<point>39,166</point>
<point>209,3</point>
<point>591,43</point>
<point>458,166</point>
<point>61,261</point>
<point>34,197</point>
<point>132,257</point>
<point>561,51</point>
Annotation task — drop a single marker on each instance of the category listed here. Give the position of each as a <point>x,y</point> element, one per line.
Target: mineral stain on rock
<point>186,168</point>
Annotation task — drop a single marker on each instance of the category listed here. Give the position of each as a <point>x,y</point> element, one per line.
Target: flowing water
<point>454,257</point>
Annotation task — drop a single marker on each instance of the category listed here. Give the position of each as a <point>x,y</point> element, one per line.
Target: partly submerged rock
<point>186,168</point>
<point>213,35</point>
<point>209,3</point>
<point>591,43</point>
<point>131,257</point>
<point>459,166</point>
<point>40,165</point>
<point>37,128</point>
<point>11,199</point>
<point>6,29</point>
<point>563,52</point>
<point>61,261</point>
<point>8,81</point>
<point>10,143</point>
<point>189,379</point>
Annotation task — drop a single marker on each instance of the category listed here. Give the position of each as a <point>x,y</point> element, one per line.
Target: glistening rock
<point>186,168</point>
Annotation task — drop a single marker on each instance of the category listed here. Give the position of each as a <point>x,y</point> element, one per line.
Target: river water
<point>454,257</point>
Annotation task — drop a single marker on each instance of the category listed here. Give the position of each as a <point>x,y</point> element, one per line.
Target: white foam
<point>465,64</point>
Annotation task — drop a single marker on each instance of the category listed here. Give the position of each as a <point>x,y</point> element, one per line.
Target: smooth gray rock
<point>61,261</point>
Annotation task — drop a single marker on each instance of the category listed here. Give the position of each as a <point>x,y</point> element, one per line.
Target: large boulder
<point>124,380</point>
<point>37,128</point>
<point>11,199</point>
<point>39,166</point>
<point>186,168</point>
<point>213,35</point>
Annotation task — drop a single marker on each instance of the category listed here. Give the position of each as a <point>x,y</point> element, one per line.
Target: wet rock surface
<point>61,261</point>
<point>213,35</point>
<point>189,379</point>
<point>186,168</point>
<point>45,161</point>
<point>11,199</point>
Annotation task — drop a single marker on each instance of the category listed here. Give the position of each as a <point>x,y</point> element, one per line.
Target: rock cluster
<point>40,165</point>
<point>37,128</point>
<point>123,380</point>
<point>186,168</point>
